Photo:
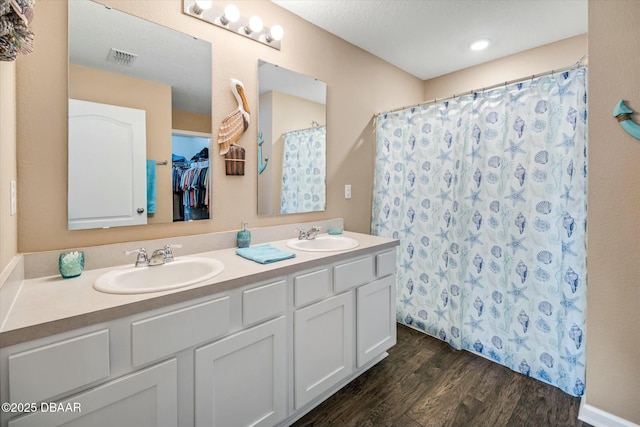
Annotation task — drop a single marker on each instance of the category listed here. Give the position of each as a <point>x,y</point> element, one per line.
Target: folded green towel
<point>264,254</point>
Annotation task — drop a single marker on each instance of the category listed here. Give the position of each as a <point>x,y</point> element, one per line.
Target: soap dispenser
<point>244,236</point>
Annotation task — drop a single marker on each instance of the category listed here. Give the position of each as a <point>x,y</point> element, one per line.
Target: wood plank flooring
<point>424,382</point>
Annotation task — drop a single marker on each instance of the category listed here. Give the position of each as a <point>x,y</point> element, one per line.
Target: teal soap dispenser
<point>244,236</point>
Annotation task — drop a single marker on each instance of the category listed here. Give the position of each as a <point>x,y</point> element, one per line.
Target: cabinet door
<point>145,398</point>
<point>376,319</point>
<point>323,346</point>
<point>241,379</point>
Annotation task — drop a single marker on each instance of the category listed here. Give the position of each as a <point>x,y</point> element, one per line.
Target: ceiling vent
<point>121,57</point>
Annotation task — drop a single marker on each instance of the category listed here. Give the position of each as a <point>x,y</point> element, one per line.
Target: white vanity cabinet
<point>217,360</point>
<point>261,354</point>
<point>343,323</point>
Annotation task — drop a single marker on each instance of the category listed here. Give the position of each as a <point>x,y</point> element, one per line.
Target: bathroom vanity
<point>256,345</point>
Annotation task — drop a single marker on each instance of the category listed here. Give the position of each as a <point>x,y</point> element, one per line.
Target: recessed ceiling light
<point>479,44</point>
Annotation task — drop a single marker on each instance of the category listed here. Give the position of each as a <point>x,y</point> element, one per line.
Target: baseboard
<point>599,418</point>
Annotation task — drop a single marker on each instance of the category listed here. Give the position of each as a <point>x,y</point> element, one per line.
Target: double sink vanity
<point>208,339</point>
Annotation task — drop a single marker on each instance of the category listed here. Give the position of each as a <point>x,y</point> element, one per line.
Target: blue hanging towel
<point>151,186</point>
<point>264,254</point>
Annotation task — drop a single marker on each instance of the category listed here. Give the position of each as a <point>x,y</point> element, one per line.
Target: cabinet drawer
<point>147,398</point>
<point>264,302</point>
<point>163,335</point>
<point>352,274</point>
<point>386,263</point>
<point>311,287</point>
<point>41,373</point>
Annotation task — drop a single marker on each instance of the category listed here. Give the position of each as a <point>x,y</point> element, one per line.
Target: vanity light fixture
<point>230,19</point>
<point>480,44</point>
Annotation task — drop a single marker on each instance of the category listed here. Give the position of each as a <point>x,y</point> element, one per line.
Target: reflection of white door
<point>107,166</point>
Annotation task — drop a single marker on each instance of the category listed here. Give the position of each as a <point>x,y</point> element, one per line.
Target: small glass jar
<point>71,264</point>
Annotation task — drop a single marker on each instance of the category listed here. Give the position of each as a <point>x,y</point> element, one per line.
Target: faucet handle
<point>142,258</point>
<point>168,253</point>
<point>301,233</point>
<point>313,232</point>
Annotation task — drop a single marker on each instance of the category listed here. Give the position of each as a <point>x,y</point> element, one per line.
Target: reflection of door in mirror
<point>191,177</point>
<point>107,167</point>
<point>121,60</point>
<point>292,117</point>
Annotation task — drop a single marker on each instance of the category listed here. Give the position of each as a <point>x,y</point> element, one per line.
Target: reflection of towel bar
<point>164,162</point>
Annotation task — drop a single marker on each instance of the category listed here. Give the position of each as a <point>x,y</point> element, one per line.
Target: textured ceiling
<point>429,38</point>
<point>164,55</point>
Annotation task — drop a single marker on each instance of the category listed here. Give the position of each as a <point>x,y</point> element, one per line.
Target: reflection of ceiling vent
<point>121,57</point>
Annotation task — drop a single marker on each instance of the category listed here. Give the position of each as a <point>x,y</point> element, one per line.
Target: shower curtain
<point>304,171</point>
<point>487,195</point>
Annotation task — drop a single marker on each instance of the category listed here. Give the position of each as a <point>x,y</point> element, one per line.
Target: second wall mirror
<point>292,138</point>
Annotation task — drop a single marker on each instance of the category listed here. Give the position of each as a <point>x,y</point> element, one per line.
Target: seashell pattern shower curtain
<point>487,195</point>
<point>304,171</point>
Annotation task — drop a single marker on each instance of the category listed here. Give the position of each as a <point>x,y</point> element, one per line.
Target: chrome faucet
<point>309,234</point>
<point>142,259</point>
<point>158,257</point>
<point>163,256</point>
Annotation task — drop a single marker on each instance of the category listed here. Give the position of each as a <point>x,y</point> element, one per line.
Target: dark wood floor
<point>424,382</point>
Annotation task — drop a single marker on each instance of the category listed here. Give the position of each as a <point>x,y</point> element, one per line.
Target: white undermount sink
<point>324,243</point>
<point>184,271</point>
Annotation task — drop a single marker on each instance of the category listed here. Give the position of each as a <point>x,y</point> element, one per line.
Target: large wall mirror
<point>139,121</point>
<point>292,142</point>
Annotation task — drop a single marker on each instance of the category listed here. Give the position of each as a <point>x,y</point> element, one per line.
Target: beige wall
<point>8,223</point>
<point>534,61</point>
<point>90,84</point>
<point>193,122</point>
<point>358,85</point>
<point>613,246</point>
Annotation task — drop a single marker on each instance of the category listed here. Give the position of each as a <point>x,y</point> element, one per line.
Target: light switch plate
<point>347,191</point>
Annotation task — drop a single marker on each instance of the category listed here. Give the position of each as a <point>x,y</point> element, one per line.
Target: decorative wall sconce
<point>229,18</point>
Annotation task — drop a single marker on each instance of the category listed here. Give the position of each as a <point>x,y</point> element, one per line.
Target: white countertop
<point>48,305</point>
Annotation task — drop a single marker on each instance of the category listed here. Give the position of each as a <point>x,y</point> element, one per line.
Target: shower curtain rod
<point>302,130</point>
<point>580,63</point>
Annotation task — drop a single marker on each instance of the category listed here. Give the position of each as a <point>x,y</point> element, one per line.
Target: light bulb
<point>231,13</point>
<point>204,4</point>
<point>255,24</point>
<point>200,6</point>
<point>276,33</point>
